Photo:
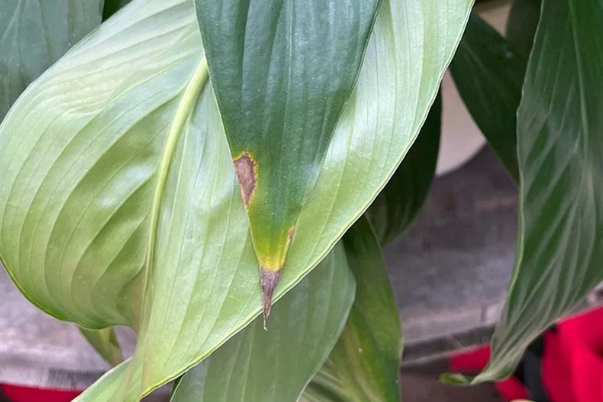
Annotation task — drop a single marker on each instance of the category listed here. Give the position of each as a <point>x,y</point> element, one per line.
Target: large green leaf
<point>364,366</point>
<point>34,34</point>
<point>560,123</point>
<point>403,196</point>
<point>522,23</point>
<point>118,181</point>
<point>489,74</point>
<point>282,71</point>
<point>275,365</point>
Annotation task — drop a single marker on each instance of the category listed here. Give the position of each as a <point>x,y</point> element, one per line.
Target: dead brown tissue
<point>246,170</point>
<point>269,280</point>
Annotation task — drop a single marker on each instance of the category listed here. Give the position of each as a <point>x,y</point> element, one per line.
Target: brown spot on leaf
<point>269,280</point>
<point>246,170</point>
<point>291,233</point>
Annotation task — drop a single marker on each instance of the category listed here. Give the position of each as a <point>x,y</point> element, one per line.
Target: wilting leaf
<point>489,74</point>
<point>364,366</point>
<point>113,6</point>
<point>275,365</point>
<point>106,344</point>
<point>403,196</point>
<point>88,225</point>
<point>282,71</point>
<point>560,251</point>
<point>34,34</point>
<point>522,24</point>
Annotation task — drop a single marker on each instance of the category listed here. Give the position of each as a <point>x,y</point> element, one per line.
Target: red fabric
<point>573,363</point>
<point>26,394</point>
<point>475,360</point>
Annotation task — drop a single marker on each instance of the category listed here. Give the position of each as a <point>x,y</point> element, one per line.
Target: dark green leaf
<point>403,196</point>
<point>522,24</point>
<point>364,366</point>
<point>488,75</point>
<point>113,6</point>
<point>282,71</point>
<point>105,342</point>
<point>560,247</point>
<point>34,34</point>
<point>275,365</point>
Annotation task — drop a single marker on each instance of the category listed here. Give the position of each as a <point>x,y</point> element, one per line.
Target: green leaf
<point>522,24</point>
<point>364,366</point>
<point>275,365</point>
<point>36,33</point>
<point>113,6</point>
<point>489,74</point>
<point>559,254</point>
<point>119,203</point>
<point>282,71</point>
<point>106,344</point>
<point>326,386</point>
<point>403,196</point>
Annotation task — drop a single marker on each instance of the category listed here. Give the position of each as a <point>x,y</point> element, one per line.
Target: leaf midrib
<point>187,103</point>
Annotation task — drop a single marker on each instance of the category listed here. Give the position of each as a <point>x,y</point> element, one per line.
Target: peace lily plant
<point>199,170</point>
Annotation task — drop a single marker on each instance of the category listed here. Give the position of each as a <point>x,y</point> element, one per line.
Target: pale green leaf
<point>34,34</point>
<point>275,365</point>
<point>559,254</point>
<point>119,203</point>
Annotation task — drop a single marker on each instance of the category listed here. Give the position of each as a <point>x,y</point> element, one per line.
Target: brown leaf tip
<point>269,280</point>
<point>246,170</point>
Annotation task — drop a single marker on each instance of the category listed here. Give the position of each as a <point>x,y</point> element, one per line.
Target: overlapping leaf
<point>403,196</point>
<point>282,71</point>
<point>522,23</point>
<point>489,74</point>
<point>560,123</point>
<point>275,365</point>
<point>112,6</point>
<point>34,34</point>
<point>364,366</point>
<point>88,225</point>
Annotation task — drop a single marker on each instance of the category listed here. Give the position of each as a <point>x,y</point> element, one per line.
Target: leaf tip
<point>455,379</point>
<point>269,279</point>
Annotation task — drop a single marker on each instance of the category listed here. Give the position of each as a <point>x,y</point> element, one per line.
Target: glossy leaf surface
<point>119,203</point>
<point>489,75</point>
<point>282,71</point>
<point>403,196</point>
<point>275,365</point>
<point>364,366</point>
<point>560,123</point>
<point>34,34</point>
